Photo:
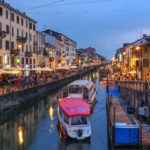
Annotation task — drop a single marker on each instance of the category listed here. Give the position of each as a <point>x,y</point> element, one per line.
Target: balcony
<point>21,39</point>
<point>28,54</point>
<point>14,52</point>
<point>2,34</point>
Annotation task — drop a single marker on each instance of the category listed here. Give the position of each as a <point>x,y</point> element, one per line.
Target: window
<point>6,14</point>
<point>0,43</point>
<point>12,17</point>
<point>12,45</point>
<point>30,26</point>
<point>22,33</point>
<point>17,20</point>
<point>34,27</point>
<point>26,60</point>
<point>34,61</point>
<point>30,60</point>
<point>22,21</point>
<point>66,119</point>
<point>17,32</point>
<point>146,63</point>
<point>22,61</point>
<point>26,35</point>
<point>26,23</point>
<point>78,120</point>
<point>12,31</point>
<point>7,29</point>
<point>7,45</point>
<point>75,89</point>
<point>1,11</point>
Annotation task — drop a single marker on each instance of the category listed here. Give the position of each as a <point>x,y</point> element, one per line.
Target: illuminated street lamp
<point>124,53</point>
<point>137,48</point>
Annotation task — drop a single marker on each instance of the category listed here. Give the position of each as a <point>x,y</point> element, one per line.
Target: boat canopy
<point>86,83</point>
<point>74,107</point>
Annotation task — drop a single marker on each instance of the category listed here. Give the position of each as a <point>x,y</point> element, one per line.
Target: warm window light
<point>18,60</point>
<point>19,46</point>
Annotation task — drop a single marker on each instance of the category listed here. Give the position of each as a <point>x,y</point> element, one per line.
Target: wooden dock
<point>117,114</point>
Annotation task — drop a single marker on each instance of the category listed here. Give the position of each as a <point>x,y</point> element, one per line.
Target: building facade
<point>17,36</point>
<point>134,59</point>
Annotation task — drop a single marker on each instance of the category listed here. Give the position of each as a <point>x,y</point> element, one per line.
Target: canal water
<point>36,127</point>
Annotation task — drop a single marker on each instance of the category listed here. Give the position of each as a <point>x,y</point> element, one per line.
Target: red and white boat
<point>73,118</point>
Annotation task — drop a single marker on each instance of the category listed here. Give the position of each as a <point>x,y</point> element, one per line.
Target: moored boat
<point>73,118</point>
<point>83,89</point>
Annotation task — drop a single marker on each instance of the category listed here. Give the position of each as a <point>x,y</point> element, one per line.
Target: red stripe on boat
<point>74,107</point>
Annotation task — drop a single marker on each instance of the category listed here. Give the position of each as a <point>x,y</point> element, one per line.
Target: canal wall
<point>23,98</point>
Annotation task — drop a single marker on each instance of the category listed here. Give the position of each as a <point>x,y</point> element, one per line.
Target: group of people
<point>19,82</point>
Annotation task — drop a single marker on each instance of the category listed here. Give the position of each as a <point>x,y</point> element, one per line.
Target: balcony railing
<point>21,39</point>
<point>2,34</point>
<point>14,52</point>
<point>28,54</point>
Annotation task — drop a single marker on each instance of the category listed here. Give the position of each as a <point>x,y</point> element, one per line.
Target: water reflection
<point>74,145</point>
<point>20,135</point>
<point>36,128</point>
<point>51,115</point>
<point>51,112</point>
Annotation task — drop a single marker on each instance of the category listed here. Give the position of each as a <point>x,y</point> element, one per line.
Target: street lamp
<point>137,48</point>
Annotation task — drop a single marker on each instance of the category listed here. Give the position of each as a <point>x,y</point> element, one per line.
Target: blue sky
<point>102,24</point>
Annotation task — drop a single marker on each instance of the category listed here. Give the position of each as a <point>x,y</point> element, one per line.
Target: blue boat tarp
<point>113,91</point>
<point>127,134</point>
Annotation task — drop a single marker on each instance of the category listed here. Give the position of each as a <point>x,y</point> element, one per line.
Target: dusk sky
<point>102,24</point>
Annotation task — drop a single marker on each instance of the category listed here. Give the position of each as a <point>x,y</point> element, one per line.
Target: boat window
<point>66,119</point>
<point>75,89</point>
<point>85,93</point>
<point>78,120</point>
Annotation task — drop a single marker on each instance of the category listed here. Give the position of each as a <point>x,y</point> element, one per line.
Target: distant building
<point>69,51</point>
<point>39,49</point>
<point>88,56</point>
<point>65,48</point>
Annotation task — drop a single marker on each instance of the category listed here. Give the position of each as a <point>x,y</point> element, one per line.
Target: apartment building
<point>17,37</point>
<point>65,48</point>
<point>134,58</point>
<point>68,51</point>
<point>39,48</point>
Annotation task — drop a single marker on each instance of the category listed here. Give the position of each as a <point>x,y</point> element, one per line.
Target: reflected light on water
<point>20,135</point>
<point>51,112</point>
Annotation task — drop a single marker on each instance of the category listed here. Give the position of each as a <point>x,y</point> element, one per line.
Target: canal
<point>36,127</point>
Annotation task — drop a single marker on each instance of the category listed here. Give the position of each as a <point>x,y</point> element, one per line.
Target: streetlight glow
<point>137,48</point>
